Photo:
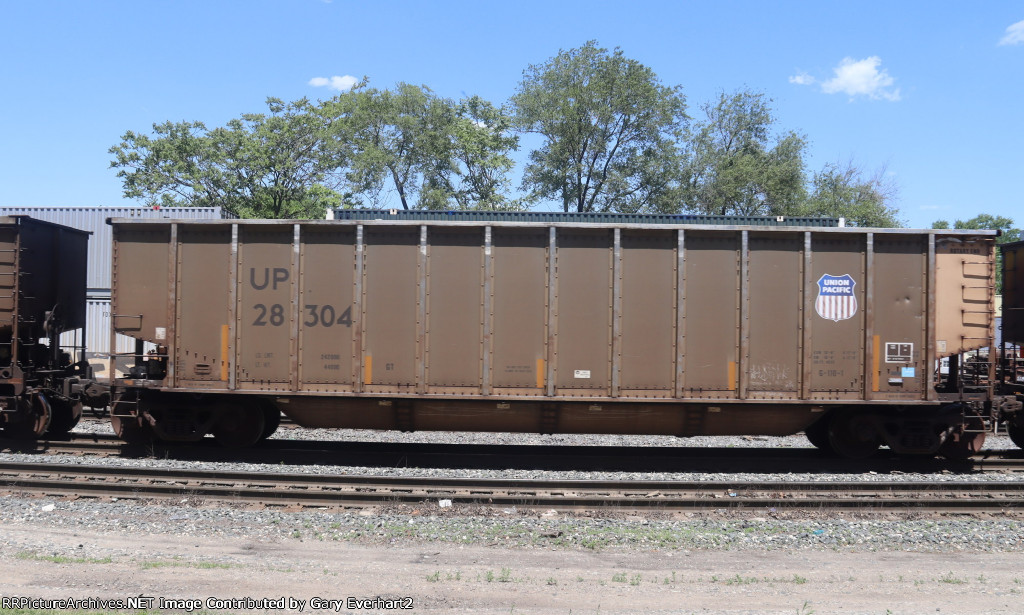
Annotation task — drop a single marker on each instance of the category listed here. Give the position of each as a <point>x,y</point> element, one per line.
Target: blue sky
<point>932,91</point>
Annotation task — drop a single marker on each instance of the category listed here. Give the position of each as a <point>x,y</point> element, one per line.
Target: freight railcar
<point>1012,363</point>
<point>42,294</point>
<point>556,327</point>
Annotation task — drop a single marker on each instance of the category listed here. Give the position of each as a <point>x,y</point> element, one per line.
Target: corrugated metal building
<point>94,220</point>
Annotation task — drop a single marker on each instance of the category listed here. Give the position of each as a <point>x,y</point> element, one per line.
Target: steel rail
<point>272,450</point>
<point>342,491</point>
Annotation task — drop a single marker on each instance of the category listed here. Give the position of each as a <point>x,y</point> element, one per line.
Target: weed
<point>619,577</point>
<point>738,580</point>
<point>552,581</point>
<point>805,609</point>
<point>179,564</point>
<point>799,580</point>
<point>62,559</point>
<point>635,579</point>
<point>434,578</point>
<point>952,579</point>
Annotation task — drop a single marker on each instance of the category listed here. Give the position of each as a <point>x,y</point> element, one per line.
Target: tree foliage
<point>611,137</point>
<point>610,131</point>
<point>842,191</point>
<point>733,165</point>
<point>433,152</point>
<point>258,166</point>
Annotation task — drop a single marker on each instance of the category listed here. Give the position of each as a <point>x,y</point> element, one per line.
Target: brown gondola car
<point>554,327</point>
<point>42,295</point>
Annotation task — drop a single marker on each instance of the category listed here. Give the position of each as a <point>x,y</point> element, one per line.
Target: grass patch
<point>180,564</point>
<point>61,559</point>
<point>952,579</point>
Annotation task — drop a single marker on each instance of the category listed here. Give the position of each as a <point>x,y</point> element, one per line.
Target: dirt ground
<point>480,579</point>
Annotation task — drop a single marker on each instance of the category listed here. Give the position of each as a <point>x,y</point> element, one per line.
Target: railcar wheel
<point>36,420</point>
<point>271,418</point>
<point>967,439</point>
<point>1016,433</point>
<point>853,436</point>
<point>128,429</point>
<point>66,414</point>
<point>239,426</point>
<point>125,426</point>
<point>817,435</point>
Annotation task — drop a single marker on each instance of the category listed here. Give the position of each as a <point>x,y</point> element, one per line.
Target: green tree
<point>428,150</point>
<point>734,168</point>
<point>472,159</point>
<point>1008,234</point>
<point>257,166</point>
<point>844,192</point>
<point>610,131</point>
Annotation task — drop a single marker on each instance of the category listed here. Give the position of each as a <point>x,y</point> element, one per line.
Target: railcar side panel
<point>202,347</point>
<point>899,324</point>
<point>141,305</point>
<point>328,358</point>
<point>772,367</point>
<point>836,319</point>
<point>454,311</point>
<point>646,342</point>
<point>584,313</point>
<point>266,309</point>
<point>519,320</point>
<point>712,316</point>
<point>391,309</point>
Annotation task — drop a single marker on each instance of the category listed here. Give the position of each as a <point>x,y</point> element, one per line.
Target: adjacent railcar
<point>553,327</point>
<point>1013,292</point>
<point>1013,330</point>
<point>42,294</point>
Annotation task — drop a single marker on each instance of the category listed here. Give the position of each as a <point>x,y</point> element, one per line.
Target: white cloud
<point>340,84</point>
<point>802,78</point>
<point>862,78</point>
<point>1014,34</point>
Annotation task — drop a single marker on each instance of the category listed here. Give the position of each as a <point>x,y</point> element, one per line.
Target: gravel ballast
<point>459,524</point>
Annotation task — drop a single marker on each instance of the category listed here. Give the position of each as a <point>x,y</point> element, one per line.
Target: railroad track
<point>342,491</point>
<point>504,456</point>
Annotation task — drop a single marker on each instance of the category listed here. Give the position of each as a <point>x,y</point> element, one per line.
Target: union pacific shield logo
<point>836,299</point>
